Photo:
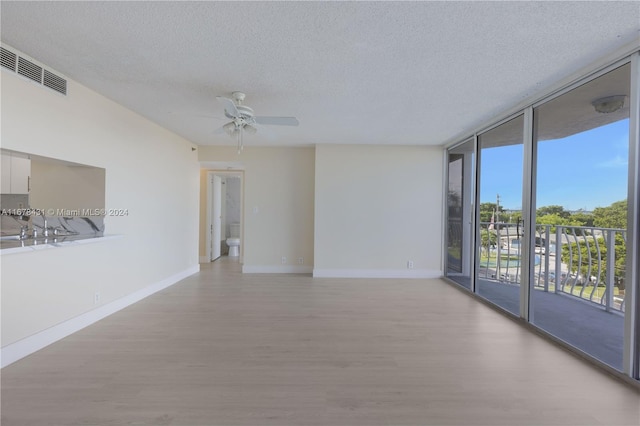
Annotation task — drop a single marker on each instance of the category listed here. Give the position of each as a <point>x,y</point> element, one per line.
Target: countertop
<point>42,243</point>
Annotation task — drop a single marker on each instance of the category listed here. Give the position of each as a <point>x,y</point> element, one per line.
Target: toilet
<point>234,240</point>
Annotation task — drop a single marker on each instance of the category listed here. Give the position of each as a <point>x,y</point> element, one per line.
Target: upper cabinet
<point>6,174</point>
<point>16,172</point>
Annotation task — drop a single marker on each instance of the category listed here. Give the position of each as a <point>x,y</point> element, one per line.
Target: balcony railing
<point>583,262</point>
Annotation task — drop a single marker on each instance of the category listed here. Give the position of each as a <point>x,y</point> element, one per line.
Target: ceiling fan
<point>243,119</point>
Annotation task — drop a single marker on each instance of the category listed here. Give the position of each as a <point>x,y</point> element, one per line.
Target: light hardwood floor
<point>223,348</point>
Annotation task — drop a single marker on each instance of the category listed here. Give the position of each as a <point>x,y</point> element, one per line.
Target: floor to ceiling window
<point>499,230</point>
<point>568,262</point>
<point>460,213</point>
<point>581,172</point>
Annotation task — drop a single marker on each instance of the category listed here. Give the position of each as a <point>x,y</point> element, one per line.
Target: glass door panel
<point>460,213</point>
<point>499,229</point>
<point>581,140</point>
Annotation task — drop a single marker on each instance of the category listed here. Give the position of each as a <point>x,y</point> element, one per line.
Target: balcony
<point>577,297</point>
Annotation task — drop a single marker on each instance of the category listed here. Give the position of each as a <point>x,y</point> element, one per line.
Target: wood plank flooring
<point>223,348</point>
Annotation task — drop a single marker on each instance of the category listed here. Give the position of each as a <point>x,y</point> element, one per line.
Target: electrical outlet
<point>96,298</point>
<point>301,261</point>
<point>283,260</point>
<point>410,264</point>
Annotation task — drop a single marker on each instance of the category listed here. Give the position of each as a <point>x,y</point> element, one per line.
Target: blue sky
<point>582,171</point>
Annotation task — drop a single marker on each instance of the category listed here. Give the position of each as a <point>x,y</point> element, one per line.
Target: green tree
<point>487,209</point>
<point>614,216</point>
<point>611,217</point>
<point>582,219</point>
<point>488,239</point>
<point>556,219</point>
<point>553,210</point>
<point>515,217</point>
<point>582,258</point>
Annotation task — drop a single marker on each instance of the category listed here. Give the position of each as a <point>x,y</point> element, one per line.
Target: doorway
<point>225,199</point>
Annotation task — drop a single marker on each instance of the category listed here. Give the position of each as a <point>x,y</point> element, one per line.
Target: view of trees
<point>487,210</point>
<point>614,216</point>
<point>581,257</point>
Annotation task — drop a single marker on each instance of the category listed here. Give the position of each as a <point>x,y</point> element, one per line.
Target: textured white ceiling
<point>351,72</point>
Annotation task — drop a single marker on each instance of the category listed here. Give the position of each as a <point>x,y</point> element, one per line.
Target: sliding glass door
<point>460,180</point>
<point>582,145</point>
<point>543,215</point>
<point>499,229</point>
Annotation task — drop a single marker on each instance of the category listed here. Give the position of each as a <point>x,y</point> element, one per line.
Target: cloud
<point>617,162</point>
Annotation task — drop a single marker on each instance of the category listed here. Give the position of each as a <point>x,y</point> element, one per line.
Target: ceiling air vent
<point>54,82</point>
<point>9,59</point>
<point>29,70</point>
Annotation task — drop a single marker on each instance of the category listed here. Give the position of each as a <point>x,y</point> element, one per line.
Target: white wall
<point>60,186</point>
<point>149,171</point>
<point>376,208</point>
<point>278,204</point>
<point>361,211</point>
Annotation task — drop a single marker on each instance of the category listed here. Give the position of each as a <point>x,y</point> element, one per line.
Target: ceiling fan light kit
<point>243,119</point>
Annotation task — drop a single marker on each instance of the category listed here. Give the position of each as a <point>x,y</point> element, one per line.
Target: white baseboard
<point>376,273</point>
<point>20,349</point>
<point>276,269</point>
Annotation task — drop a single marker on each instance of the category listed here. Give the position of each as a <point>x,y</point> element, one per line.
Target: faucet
<point>45,228</point>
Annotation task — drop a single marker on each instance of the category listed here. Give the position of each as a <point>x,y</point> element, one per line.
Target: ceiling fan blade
<point>229,106</point>
<point>277,121</point>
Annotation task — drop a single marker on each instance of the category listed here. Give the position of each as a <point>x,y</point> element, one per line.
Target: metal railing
<point>582,262</point>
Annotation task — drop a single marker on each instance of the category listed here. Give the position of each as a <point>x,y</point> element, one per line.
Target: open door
<point>216,220</point>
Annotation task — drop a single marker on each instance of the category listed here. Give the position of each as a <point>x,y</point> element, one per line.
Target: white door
<point>216,220</point>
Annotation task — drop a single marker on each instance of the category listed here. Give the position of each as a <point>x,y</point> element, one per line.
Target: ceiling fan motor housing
<point>243,119</point>
<point>245,113</point>
<point>239,97</point>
